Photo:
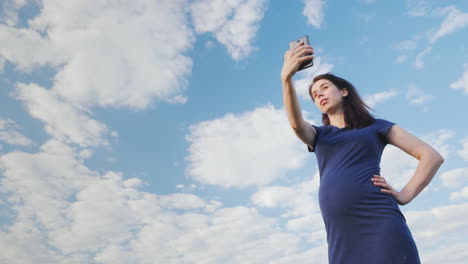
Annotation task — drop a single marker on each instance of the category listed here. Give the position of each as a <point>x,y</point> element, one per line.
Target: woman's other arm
<point>429,162</point>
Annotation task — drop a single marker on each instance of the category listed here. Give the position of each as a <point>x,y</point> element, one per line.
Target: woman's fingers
<point>304,50</point>
<point>294,57</point>
<point>306,58</point>
<point>380,181</point>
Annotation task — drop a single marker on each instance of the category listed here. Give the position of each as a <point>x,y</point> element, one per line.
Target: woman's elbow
<point>438,158</point>
<point>442,160</point>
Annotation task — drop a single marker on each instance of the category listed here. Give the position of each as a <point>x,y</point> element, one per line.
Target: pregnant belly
<point>346,197</point>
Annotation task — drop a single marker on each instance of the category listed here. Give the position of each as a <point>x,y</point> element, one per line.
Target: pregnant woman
<point>360,209</point>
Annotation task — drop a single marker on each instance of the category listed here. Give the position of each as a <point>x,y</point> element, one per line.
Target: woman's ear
<point>344,92</point>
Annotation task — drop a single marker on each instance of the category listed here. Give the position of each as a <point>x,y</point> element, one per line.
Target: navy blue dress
<point>363,224</point>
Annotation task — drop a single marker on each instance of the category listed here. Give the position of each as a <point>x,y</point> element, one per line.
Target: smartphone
<point>292,44</point>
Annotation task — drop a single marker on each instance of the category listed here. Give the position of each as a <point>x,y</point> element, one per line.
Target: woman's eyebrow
<point>315,91</point>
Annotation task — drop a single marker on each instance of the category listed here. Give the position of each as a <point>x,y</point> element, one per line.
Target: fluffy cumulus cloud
<point>234,23</point>
<point>397,167</point>
<point>313,10</point>
<point>298,200</point>
<point>463,153</point>
<point>114,54</point>
<point>455,177</point>
<point>63,212</point>
<point>374,99</point>
<point>438,140</point>
<point>252,148</point>
<point>300,205</point>
<point>107,53</point>
<point>462,194</point>
<point>9,11</point>
<point>62,120</point>
<point>440,233</point>
<point>9,133</point>
<point>27,49</point>
<point>462,83</point>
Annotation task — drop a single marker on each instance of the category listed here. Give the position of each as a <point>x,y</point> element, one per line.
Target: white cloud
<point>373,99</point>
<point>182,201</point>
<point>416,96</point>
<point>37,187</point>
<point>304,78</point>
<point>27,49</point>
<point>455,177</point>
<point>462,194</point>
<point>252,148</point>
<point>62,212</point>
<point>2,64</point>
<point>9,11</point>
<point>300,206</point>
<point>419,63</point>
<point>454,21</point>
<point>107,53</point>
<point>397,167</point>
<point>439,231</point>
<point>455,253</point>
<point>274,196</point>
<point>234,23</point>
<point>463,153</point>
<point>462,83</point>
<point>313,10</point>
<point>299,200</point>
<point>62,120</point>
<point>112,54</point>
<point>10,135</point>
<point>438,140</point>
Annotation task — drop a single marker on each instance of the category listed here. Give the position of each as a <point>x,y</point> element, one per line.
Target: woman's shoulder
<point>382,126</point>
<point>381,121</point>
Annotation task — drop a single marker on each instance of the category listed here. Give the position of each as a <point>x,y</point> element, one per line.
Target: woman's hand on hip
<point>293,59</point>
<point>401,197</point>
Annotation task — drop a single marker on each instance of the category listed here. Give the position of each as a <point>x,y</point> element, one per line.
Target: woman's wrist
<point>286,77</point>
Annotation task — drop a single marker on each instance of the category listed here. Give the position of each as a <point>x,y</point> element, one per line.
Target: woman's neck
<point>337,120</point>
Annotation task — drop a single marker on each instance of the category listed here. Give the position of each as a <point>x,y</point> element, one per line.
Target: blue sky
<point>154,131</point>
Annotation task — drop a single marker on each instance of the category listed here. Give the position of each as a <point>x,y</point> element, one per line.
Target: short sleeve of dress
<point>383,126</point>
<point>317,135</point>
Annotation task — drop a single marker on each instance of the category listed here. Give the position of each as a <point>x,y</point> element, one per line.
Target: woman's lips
<point>323,101</point>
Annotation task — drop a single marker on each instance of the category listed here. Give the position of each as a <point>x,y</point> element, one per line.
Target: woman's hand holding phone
<point>296,57</point>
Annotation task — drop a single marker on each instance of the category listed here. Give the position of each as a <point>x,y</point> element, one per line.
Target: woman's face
<point>327,97</point>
